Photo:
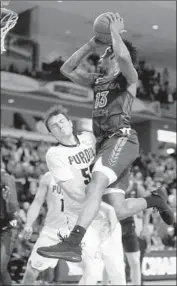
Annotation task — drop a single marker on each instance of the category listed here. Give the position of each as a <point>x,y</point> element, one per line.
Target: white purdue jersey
<point>55,205</point>
<point>69,162</point>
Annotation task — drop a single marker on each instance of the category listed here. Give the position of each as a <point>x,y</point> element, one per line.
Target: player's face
<point>60,126</point>
<point>107,64</point>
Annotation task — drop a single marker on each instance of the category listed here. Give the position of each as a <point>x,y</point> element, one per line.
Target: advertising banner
<point>68,91</point>
<point>159,265</point>
<point>60,89</point>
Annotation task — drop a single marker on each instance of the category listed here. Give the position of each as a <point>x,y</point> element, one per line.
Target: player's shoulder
<point>53,152</point>
<point>87,137</point>
<point>47,175</point>
<point>46,178</point>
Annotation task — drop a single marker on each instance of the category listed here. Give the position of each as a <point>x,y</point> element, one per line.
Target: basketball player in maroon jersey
<point>117,144</point>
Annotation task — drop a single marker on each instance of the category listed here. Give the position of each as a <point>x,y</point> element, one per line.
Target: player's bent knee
<point>121,212</point>
<point>125,210</point>
<point>116,198</point>
<point>100,179</point>
<point>105,172</point>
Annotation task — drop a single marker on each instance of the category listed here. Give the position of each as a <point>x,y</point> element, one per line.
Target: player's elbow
<point>65,69</point>
<point>127,69</point>
<point>134,76</point>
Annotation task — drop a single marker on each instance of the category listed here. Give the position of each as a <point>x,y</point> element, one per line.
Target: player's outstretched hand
<point>116,23</point>
<point>28,230</point>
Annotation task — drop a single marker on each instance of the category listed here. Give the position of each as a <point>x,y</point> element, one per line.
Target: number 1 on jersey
<point>62,205</point>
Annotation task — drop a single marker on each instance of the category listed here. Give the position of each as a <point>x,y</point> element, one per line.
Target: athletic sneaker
<point>64,250</point>
<point>162,206</point>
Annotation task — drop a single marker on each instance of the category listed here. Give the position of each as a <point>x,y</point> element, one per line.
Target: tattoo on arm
<point>72,63</point>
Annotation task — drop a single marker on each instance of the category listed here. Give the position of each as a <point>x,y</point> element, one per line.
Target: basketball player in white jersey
<point>56,222</point>
<point>49,192</point>
<point>70,164</point>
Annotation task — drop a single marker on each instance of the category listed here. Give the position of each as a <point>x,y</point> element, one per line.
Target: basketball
<point>101,29</point>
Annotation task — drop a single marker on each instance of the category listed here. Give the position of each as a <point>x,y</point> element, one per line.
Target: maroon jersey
<point>112,106</point>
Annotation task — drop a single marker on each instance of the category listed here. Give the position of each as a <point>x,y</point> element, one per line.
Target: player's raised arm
<point>35,207</point>
<point>72,69</point>
<point>121,52</point>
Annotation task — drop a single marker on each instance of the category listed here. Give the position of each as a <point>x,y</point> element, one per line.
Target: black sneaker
<point>163,207</point>
<point>64,250</point>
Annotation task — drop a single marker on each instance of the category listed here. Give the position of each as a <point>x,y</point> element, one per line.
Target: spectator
<point>152,86</point>
<point>149,171</point>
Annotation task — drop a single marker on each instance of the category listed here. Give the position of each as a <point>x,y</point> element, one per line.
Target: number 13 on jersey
<point>101,99</point>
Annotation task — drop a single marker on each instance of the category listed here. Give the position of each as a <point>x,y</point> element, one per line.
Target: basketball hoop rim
<point>8,21</point>
<point>8,11</point>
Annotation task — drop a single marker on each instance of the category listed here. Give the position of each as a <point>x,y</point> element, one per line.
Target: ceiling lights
<point>155,27</point>
<point>11,100</point>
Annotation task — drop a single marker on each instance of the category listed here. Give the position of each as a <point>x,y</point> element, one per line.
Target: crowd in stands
<point>152,85</point>
<point>25,160</point>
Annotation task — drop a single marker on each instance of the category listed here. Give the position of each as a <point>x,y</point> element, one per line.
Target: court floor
<point>154,283</point>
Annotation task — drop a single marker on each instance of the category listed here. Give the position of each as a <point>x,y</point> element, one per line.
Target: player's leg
<point>124,207</point>
<point>113,255</point>
<point>120,161</point>
<point>7,243</point>
<point>132,251</point>
<point>124,152</point>
<point>116,156</point>
<point>91,257</point>
<point>31,274</point>
<point>37,263</point>
<point>90,271</point>
<point>105,277</point>
<point>135,268</point>
<point>70,249</point>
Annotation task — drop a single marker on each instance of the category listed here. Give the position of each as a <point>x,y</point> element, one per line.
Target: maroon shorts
<point>115,157</point>
<point>129,237</point>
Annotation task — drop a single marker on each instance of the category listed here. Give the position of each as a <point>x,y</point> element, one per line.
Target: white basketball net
<point>8,21</point>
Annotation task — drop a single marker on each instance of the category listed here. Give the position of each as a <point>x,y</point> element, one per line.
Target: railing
<point>22,49</point>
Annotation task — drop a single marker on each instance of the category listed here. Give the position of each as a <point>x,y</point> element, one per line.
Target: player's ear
<point>48,130</point>
<point>70,122</point>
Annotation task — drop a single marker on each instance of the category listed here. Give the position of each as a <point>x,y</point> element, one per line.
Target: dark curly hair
<point>132,50</point>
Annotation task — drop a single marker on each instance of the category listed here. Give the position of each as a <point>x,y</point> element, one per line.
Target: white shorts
<point>47,237</point>
<point>96,234</point>
<point>112,246</point>
<point>91,240</point>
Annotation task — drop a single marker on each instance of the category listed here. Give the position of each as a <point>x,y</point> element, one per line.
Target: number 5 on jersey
<point>86,173</point>
<point>101,99</point>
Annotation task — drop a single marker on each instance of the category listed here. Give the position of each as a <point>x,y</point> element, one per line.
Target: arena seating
<point>152,86</point>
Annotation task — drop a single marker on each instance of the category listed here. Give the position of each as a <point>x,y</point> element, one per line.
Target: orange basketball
<point>101,29</point>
